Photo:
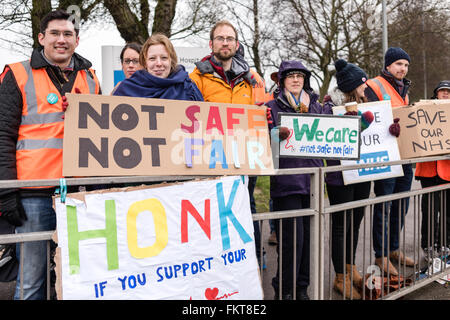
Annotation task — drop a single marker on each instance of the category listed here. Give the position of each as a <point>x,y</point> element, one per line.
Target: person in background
<point>129,59</point>
<point>391,85</point>
<point>351,83</point>
<point>432,174</point>
<point>161,77</point>
<point>290,192</point>
<point>32,99</point>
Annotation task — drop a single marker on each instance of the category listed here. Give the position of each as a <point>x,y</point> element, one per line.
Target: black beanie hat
<point>348,76</point>
<point>442,85</point>
<point>393,54</point>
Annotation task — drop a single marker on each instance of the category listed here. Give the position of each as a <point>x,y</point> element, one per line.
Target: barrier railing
<point>407,282</point>
<point>319,212</point>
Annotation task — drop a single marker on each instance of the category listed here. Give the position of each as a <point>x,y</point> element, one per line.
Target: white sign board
<point>377,145</point>
<point>112,69</point>
<point>320,136</point>
<point>192,240</point>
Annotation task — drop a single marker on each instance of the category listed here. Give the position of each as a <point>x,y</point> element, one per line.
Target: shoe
<point>384,263</point>
<point>273,238</point>
<point>430,253</point>
<point>350,291</point>
<point>354,275</point>
<point>444,252</point>
<point>398,256</point>
<point>302,294</point>
<point>283,297</point>
<point>5,255</point>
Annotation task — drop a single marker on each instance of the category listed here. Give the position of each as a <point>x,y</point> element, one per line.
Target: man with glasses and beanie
<point>32,99</point>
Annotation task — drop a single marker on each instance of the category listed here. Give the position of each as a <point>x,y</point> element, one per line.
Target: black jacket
<point>11,113</point>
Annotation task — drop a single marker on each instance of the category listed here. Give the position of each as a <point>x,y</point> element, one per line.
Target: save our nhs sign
<point>377,145</point>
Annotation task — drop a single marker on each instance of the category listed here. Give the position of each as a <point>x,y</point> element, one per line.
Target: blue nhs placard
<point>374,157</point>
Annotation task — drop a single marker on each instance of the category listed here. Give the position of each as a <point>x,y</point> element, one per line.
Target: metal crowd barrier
<point>320,216</point>
<point>410,247</point>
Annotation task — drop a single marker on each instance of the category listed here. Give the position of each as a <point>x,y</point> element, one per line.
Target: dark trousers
<point>394,212</point>
<point>345,224</point>
<point>435,216</point>
<point>302,239</point>
<point>251,190</point>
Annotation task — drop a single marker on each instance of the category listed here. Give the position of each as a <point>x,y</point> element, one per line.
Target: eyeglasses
<point>57,34</point>
<point>128,61</point>
<point>222,39</point>
<point>295,76</point>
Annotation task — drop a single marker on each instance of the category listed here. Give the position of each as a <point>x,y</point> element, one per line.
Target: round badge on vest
<point>52,98</point>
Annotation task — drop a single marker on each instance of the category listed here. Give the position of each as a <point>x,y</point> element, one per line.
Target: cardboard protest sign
<point>425,128</point>
<point>377,145</point>
<point>192,240</point>
<point>109,135</point>
<point>320,136</point>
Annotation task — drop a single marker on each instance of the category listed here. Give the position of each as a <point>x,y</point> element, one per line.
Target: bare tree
<point>20,20</point>
<point>253,20</point>
<point>424,32</point>
<point>134,19</point>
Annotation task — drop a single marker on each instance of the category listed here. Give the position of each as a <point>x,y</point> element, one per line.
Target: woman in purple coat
<point>290,192</point>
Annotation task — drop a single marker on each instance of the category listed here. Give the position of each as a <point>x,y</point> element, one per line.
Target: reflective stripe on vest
<point>382,87</point>
<point>40,140</point>
<point>33,117</point>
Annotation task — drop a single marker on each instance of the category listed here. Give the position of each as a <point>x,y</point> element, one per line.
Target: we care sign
<point>192,240</point>
<point>109,135</point>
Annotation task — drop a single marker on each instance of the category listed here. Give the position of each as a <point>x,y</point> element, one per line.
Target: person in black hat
<point>351,83</point>
<point>442,91</point>
<point>391,85</point>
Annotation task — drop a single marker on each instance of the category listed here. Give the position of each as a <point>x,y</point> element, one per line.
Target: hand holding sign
<point>65,104</point>
<point>394,128</point>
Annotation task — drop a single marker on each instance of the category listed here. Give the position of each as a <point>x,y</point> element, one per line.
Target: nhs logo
<point>374,157</point>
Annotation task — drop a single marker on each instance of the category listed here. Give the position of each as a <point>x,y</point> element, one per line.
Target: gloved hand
<point>394,128</point>
<point>11,209</point>
<point>65,104</point>
<point>269,116</point>
<point>366,118</point>
<point>283,133</point>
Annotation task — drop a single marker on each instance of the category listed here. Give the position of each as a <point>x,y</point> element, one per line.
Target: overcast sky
<point>90,47</point>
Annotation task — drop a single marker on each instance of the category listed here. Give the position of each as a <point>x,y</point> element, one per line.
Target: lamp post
<point>385,30</point>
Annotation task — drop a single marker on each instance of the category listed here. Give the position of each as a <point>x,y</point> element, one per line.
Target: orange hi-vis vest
<point>430,169</point>
<point>382,87</point>
<point>39,149</point>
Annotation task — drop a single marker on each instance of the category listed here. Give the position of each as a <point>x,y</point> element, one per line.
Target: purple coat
<point>285,185</point>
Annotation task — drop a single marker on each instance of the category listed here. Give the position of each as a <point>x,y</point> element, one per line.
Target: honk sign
<point>164,242</point>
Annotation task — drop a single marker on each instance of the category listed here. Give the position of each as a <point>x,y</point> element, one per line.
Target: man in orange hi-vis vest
<point>435,228</point>
<point>32,100</point>
<point>392,85</point>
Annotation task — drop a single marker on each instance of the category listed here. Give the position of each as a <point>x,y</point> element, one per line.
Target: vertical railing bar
<point>21,269</point>
<point>294,253</point>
